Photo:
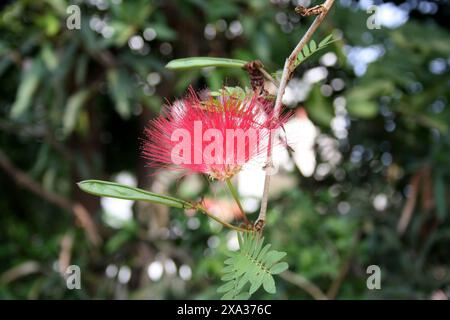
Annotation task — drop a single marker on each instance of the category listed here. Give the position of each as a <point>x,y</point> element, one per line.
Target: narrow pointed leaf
<point>306,51</point>
<point>312,46</point>
<point>226,287</point>
<point>242,296</point>
<point>119,86</point>
<point>263,252</point>
<point>74,105</point>
<point>228,296</point>
<point>230,254</point>
<point>269,284</point>
<point>257,249</point>
<point>228,269</point>
<point>28,86</point>
<point>253,272</point>
<point>325,40</point>
<point>240,240</point>
<point>256,284</point>
<point>273,256</point>
<point>116,190</point>
<point>279,268</point>
<point>202,62</point>
<point>228,277</point>
<point>253,245</point>
<point>241,283</point>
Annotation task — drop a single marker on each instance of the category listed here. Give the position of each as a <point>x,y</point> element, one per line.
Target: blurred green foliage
<point>74,103</point>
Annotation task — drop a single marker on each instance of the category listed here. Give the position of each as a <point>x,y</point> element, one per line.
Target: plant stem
<point>288,68</point>
<point>304,284</point>
<point>268,76</point>
<point>224,223</point>
<point>236,198</point>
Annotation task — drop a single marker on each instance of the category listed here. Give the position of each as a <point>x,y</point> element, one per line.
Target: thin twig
<point>288,68</point>
<point>344,269</point>
<point>268,76</point>
<point>65,254</point>
<point>304,284</point>
<point>236,198</point>
<point>21,270</point>
<point>222,222</point>
<point>410,204</point>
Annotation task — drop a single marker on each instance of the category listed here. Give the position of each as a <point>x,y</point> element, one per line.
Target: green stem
<point>224,223</point>
<point>236,198</point>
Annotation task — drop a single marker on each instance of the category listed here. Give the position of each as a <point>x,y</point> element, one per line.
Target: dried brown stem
<point>288,69</point>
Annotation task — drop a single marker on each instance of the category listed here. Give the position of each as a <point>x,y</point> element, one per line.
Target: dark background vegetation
<point>73,105</point>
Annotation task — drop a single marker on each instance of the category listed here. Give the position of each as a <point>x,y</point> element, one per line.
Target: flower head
<point>214,135</point>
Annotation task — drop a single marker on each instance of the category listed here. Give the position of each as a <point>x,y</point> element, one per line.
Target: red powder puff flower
<point>215,136</point>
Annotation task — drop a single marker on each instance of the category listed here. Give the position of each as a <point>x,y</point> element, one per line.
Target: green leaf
<point>231,295</point>
<point>254,245</point>
<point>228,268</point>
<point>364,109</point>
<point>241,265</point>
<point>312,46</point>
<point>361,101</point>
<point>264,251</point>
<point>241,283</point>
<point>116,190</point>
<point>279,268</point>
<point>269,284</point>
<point>273,256</point>
<point>228,296</point>
<point>119,86</point>
<point>243,296</point>
<point>164,32</point>
<point>228,277</point>
<point>319,108</point>
<point>49,57</point>
<point>306,51</point>
<point>256,284</point>
<point>226,287</point>
<point>202,62</point>
<point>74,105</point>
<point>247,243</point>
<point>257,249</point>
<point>233,91</point>
<point>240,241</point>
<point>49,23</point>
<point>253,272</point>
<point>252,263</point>
<point>325,41</point>
<point>28,86</point>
